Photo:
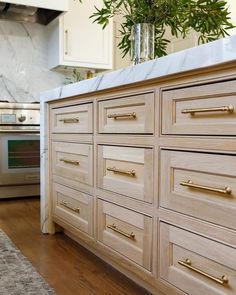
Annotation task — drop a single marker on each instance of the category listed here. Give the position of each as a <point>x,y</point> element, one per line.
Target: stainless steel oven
<point>19,150</point>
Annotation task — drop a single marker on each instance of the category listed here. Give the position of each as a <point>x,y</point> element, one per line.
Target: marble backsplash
<point>23,62</point>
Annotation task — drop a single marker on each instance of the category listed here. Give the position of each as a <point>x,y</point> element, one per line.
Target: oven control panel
<point>18,117</point>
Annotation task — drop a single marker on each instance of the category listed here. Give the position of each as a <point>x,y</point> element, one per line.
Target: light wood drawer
<point>125,231</point>
<point>189,181</point>
<point>73,161</point>
<point>72,119</point>
<point>196,264</point>
<point>133,114</point>
<point>126,170</point>
<point>74,207</point>
<point>214,106</point>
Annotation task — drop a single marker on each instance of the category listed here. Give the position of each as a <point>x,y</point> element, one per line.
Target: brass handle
<point>69,120</point>
<point>120,171</point>
<point>125,115</point>
<point>66,41</point>
<point>65,204</point>
<point>187,263</point>
<point>229,109</point>
<point>68,161</point>
<point>227,190</point>
<point>119,231</point>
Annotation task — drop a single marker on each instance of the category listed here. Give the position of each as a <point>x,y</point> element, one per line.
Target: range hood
<point>37,11</point>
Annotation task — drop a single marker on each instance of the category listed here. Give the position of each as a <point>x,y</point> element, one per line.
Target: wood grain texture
<point>72,119</point>
<point>211,95</point>
<point>204,169</point>
<point>141,105</point>
<point>213,258</point>
<point>69,268</point>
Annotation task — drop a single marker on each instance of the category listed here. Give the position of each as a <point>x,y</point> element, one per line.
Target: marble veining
<point>206,55</point>
<point>24,71</point>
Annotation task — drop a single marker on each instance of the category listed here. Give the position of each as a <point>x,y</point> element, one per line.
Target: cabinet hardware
<point>125,116</point>
<point>120,171</point>
<point>119,231</point>
<point>65,204</point>
<point>187,263</point>
<point>229,109</point>
<point>69,120</point>
<point>68,161</point>
<point>66,42</point>
<point>227,190</point>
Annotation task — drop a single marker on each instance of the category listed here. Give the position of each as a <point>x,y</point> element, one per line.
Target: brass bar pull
<point>119,231</point>
<point>120,171</point>
<point>125,116</point>
<point>65,204</point>
<point>69,120</point>
<point>187,263</point>
<point>227,190</point>
<point>68,161</point>
<point>66,42</point>
<point>229,109</point>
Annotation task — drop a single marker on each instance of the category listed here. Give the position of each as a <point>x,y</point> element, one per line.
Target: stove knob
<point>22,118</point>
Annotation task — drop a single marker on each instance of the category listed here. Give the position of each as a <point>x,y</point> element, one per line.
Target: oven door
<point>19,159</point>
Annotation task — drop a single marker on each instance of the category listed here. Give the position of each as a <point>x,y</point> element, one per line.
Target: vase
<point>142,42</point>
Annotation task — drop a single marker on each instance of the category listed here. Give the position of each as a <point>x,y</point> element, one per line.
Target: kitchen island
<point>138,166</point>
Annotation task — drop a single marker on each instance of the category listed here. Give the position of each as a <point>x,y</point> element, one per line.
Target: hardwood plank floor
<point>66,266</point>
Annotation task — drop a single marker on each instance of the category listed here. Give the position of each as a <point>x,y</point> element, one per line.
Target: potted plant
<point>209,18</point>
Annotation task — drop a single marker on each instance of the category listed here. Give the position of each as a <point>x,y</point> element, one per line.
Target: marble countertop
<point>206,55</point>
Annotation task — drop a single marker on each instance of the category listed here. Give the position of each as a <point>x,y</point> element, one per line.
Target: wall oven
<point>19,150</point>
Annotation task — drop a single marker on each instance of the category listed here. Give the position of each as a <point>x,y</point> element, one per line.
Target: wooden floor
<point>67,267</point>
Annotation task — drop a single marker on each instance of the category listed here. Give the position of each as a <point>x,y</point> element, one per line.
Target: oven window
<point>23,154</point>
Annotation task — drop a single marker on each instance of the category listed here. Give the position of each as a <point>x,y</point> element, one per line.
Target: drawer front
<point>72,119</point>
<point>200,185</point>
<point>127,171</point>
<point>134,114</point>
<point>73,161</point>
<point>207,109</point>
<point>196,265</point>
<point>73,207</point>
<point>126,232</point>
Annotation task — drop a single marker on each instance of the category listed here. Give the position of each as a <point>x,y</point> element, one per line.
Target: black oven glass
<point>23,154</point>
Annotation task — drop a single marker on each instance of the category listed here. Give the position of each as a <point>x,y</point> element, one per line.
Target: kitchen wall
<point>23,62</point>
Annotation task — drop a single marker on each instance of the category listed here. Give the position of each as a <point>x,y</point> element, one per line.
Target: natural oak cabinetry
<point>154,175</point>
<point>199,184</point>
<point>126,170</point>
<point>125,231</point>
<point>195,264</point>
<point>208,109</point>
<point>74,40</point>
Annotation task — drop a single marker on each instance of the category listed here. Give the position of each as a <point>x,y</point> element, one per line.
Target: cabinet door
<point>86,42</point>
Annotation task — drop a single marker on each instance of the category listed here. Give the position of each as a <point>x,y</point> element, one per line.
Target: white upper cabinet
<point>74,40</point>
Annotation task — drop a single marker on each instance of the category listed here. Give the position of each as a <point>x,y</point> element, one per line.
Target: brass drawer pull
<point>187,263</point>
<point>119,231</point>
<point>69,120</point>
<point>120,171</point>
<point>125,116</point>
<point>65,204</point>
<point>229,109</point>
<point>68,161</point>
<point>227,190</point>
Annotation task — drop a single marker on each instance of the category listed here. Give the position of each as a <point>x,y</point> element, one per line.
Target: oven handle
<point>20,131</point>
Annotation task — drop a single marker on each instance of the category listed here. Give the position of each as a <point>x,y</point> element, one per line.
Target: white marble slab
<point>206,55</point>
<point>24,72</point>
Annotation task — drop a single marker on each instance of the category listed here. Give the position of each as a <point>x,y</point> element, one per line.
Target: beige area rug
<point>17,275</point>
